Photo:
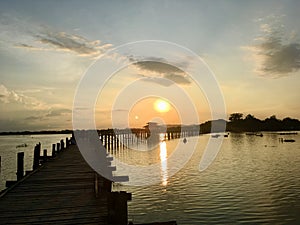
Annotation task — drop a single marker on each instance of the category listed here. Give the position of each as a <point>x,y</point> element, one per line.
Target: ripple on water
<point>252,180</point>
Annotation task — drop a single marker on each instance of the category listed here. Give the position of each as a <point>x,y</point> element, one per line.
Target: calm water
<point>253,180</point>
<point>8,152</point>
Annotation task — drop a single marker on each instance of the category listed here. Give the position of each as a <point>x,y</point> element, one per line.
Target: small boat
<point>215,135</point>
<point>184,140</point>
<point>259,135</point>
<point>22,145</point>
<point>289,140</point>
<point>288,133</point>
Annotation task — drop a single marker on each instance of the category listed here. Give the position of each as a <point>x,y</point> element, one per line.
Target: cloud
<point>58,112</point>
<point>276,53</point>
<point>50,114</point>
<point>154,71</point>
<point>62,41</point>
<point>157,80</point>
<point>158,67</point>
<point>32,37</point>
<point>179,79</point>
<point>11,97</point>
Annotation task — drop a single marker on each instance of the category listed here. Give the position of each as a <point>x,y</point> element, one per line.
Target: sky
<point>252,49</point>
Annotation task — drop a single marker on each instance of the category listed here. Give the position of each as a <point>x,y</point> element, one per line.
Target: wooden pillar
<point>62,144</point>
<point>108,142</point>
<point>102,139</point>
<point>115,141</point>
<point>20,165</point>
<point>45,155</point>
<point>53,150</point>
<point>67,142</point>
<point>118,142</point>
<point>112,141</point>
<point>105,140</point>
<point>57,147</point>
<point>36,156</point>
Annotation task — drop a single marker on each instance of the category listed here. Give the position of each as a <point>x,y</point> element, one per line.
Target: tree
<point>235,117</point>
<point>250,117</point>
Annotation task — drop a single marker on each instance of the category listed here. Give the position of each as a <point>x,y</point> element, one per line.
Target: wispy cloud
<point>158,67</point>
<point>154,69</point>
<point>26,35</point>
<point>10,97</point>
<point>50,114</point>
<point>275,52</point>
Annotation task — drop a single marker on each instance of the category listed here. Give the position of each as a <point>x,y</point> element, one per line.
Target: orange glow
<point>145,110</point>
<point>161,106</point>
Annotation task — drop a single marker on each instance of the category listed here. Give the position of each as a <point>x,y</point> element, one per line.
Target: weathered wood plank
<point>62,192</point>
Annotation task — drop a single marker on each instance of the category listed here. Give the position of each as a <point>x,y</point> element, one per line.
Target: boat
<point>289,140</point>
<point>288,133</point>
<point>215,135</point>
<point>259,135</point>
<point>22,145</point>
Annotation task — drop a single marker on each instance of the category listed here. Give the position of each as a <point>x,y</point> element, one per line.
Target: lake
<point>252,180</point>
<point>9,150</point>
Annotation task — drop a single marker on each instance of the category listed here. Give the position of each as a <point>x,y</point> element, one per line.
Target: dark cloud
<point>50,114</point>
<point>22,45</point>
<point>162,73</point>
<point>158,67</point>
<point>58,112</point>
<point>177,78</point>
<point>68,42</point>
<point>34,118</point>
<point>275,54</point>
<point>158,80</point>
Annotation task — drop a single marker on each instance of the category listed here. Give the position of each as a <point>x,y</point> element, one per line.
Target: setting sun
<point>161,106</point>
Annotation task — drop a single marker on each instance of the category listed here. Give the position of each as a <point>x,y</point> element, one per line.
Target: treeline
<point>37,132</point>
<point>239,123</point>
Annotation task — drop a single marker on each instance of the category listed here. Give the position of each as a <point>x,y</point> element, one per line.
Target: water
<point>8,152</point>
<point>253,180</point>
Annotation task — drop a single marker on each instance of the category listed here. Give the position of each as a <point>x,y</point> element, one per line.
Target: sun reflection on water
<point>164,163</point>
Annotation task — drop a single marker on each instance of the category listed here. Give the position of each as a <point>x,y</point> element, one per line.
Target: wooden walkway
<point>63,191</point>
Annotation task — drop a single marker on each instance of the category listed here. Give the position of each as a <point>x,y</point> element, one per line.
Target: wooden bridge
<point>63,190</point>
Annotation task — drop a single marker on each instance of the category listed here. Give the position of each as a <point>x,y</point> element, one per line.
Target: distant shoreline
<point>236,124</point>
<point>35,132</point>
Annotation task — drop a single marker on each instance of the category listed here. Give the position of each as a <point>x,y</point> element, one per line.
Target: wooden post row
<point>20,165</point>
<point>36,156</point>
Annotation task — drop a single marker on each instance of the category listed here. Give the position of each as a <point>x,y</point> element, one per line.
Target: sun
<point>161,105</point>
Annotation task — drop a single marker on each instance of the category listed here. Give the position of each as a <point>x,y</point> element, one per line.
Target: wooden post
<point>105,141</point>
<point>57,147</point>
<point>36,156</point>
<point>67,142</point>
<point>53,150</point>
<point>20,165</point>
<point>108,142</point>
<point>62,144</point>
<point>45,155</point>
<point>96,184</point>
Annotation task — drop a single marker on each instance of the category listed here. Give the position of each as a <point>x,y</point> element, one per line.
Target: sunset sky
<point>252,48</point>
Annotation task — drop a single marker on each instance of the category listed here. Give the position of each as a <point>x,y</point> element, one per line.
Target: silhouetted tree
<point>235,117</point>
<point>272,124</point>
<point>252,124</point>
